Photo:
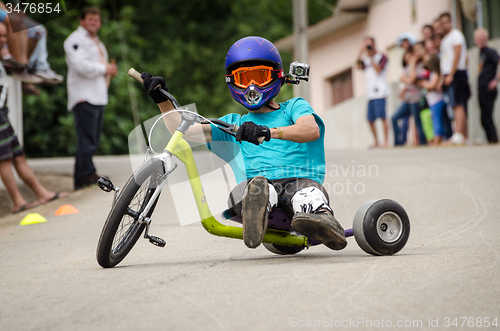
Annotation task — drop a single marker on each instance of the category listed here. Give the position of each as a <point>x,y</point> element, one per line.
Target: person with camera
<point>287,169</point>
<point>374,64</point>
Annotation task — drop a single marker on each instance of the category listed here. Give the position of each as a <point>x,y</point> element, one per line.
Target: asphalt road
<point>50,280</point>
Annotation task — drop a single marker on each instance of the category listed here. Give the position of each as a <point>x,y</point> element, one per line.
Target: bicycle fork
<point>147,220</point>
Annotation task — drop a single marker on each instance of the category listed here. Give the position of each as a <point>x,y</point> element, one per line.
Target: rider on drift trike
<point>285,171</point>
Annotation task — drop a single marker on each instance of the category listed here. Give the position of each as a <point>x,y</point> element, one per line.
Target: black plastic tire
<point>282,250</point>
<point>122,228</point>
<point>381,227</point>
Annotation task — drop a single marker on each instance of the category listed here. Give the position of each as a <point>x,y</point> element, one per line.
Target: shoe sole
<point>28,80</point>
<point>319,230</point>
<point>254,212</point>
<point>52,81</point>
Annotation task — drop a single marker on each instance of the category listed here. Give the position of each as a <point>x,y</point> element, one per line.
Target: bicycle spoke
<point>129,223</point>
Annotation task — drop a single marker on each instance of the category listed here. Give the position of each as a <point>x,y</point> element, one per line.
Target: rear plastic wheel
<point>381,227</point>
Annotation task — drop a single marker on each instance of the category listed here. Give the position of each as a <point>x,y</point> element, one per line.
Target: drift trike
<point>380,227</point>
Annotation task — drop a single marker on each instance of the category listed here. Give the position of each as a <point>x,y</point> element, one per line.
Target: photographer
<point>374,65</point>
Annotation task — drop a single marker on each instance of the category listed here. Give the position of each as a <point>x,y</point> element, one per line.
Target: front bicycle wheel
<point>123,228</point>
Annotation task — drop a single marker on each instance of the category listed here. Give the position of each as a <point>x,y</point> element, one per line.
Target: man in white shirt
<point>374,65</point>
<point>454,69</point>
<point>89,74</point>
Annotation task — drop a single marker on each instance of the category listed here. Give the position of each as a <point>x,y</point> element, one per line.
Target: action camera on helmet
<point>299,71</point>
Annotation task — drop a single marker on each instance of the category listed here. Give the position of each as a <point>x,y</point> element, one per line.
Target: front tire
<point>122,228</point>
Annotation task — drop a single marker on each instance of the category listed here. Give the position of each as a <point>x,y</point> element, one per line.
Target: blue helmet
<point>251,52</point>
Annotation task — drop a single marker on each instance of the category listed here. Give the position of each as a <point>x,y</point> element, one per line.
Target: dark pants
<point>286,189</point>
<point>88,124</point>
<point>486,102</point>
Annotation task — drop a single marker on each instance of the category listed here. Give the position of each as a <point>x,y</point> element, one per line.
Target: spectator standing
<point>12,154</point>
<point>375,66</point>
<point>487,83</point>
<point>427,32</point>
<point>436,39</point>
<point>454,69</point>
<point>89,73</point>
<point>411,95</point>
<point>436,26</point>
<point>406,41</point>
<point>430,48</point>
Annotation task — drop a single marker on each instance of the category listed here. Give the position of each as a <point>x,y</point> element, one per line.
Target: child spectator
<point>434,97</point>
<point>430,48</point>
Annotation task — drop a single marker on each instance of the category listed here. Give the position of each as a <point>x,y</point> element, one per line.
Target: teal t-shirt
<point>274,159</point>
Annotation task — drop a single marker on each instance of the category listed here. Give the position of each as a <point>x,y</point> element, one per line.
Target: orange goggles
<point>258,75</point>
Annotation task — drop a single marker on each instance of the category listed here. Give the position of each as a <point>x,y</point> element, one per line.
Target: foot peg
<point>105,184</point>
<point>156,241</point>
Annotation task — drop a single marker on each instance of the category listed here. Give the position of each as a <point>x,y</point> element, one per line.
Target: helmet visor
<point>258,75</point>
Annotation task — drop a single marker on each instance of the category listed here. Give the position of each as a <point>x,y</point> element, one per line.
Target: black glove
<point>249,131</point>
<point>150,83</point>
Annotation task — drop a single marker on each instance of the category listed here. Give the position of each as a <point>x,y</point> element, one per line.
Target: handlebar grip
<point>135,74</point>
<point>260,139</point>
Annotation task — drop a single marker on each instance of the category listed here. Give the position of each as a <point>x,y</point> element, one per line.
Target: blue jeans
<point>403,111</point>
<point>88,125</point>
<point>437,118</point>
<point>404,129</point>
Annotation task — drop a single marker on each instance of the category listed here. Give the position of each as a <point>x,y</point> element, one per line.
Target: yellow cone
<point>33,218</point>
<point>65,210</point>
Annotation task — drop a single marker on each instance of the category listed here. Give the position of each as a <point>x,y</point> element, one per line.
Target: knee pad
<point>273,198</point>
<point>309,200</point>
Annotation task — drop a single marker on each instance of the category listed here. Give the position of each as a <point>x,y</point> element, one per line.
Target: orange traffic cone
<point>65,210</point>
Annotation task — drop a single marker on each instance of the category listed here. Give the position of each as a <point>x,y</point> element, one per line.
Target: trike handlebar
<point>135,74</point>
<point>226,127</point>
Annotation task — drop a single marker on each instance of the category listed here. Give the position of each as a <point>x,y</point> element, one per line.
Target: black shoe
<point>254,211</point>
<point>89,181</point>
<point>322,227</point>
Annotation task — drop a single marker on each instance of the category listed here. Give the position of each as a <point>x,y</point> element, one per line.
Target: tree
<point>183,41</point>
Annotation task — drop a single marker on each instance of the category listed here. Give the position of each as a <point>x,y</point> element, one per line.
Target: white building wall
<point>386,20</point>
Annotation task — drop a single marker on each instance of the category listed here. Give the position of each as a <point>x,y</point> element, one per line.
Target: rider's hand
<point>249,131</point>
<point>150,84</point>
